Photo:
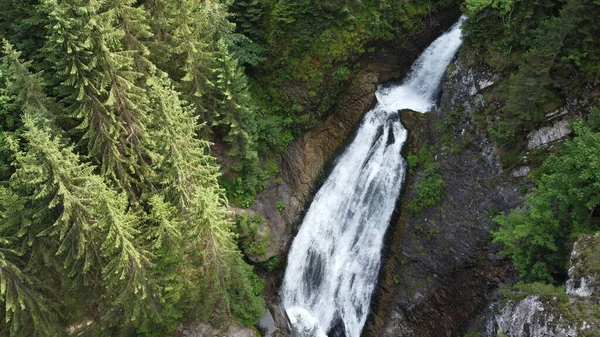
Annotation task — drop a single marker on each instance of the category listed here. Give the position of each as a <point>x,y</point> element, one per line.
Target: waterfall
<point>335,258</point>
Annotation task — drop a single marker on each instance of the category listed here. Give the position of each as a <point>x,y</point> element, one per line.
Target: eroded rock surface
<point>573,316</point>
<point>548,134</point>
<point>205,330</point>
<point>532,318</point>
<point>306,158</point>
<point>303,165</point>
<point>584,274</point>
<point>441,266</point>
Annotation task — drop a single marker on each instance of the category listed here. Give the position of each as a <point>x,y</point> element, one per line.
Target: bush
<point>546,292</point>
<point>564,203</point>
<point>430,191</point>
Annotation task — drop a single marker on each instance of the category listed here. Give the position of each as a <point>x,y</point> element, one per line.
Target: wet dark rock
<point>303,165</point>
<point>441,269</point>
<point>205,330</point>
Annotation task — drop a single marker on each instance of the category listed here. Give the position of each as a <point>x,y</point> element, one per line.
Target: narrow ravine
<point>335,258</point>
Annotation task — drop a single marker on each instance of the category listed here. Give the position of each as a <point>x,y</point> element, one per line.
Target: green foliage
<point>183,163</point>
<point>273,263</point>
<point>280,206</point>
<point>136,261</point>
<point>564,203</point>
<point>248,237</point>
<point>24,303</point>
<point>100,86</point>
<point>452,119</point>
<point>430,191</point>
<point>546,54</point>
<point>546,292</point>
<point>412,161</point>
<point>475,6</point>
<point>475,334</point>
<point>225,278</point>
<point>247,15</point>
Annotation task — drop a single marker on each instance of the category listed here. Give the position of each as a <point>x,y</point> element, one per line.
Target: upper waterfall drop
<point>335,258</point>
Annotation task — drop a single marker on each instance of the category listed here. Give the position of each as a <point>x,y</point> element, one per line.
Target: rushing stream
<point>335,258</point>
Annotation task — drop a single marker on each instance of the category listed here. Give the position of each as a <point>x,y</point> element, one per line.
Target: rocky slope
<point>442,269</point>
<point>441,266</point>
<point>568,312</point>
<point>303,165</point>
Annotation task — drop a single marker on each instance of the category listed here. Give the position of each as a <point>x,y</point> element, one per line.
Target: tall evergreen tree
<point>27,90</point>
<point>223,273</point>
<point>236,114</point>
<point>209,76</point>
<point>24,309</point>
<point>184,162</point>
<point>64,220</point>
<point>90,234</point>
<point>101,87</point>
<point>247,15</point>
<point>201,34</point>
<point>532,85</point>
<point>190,181</point>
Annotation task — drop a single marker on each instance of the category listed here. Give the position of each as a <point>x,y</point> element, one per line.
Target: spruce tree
<point>91,231</point>
<point>164,232</point>
<point>134,22</point>
<point>184,163</point>
<point>27,89</point>
<point>69,224</point>
<point>247,15</point>
<point>189,179</point>
<point>200,35</point>
<point>222,272</point>
<point>236,115</point>
<point>101,88</point>
<point>25,307</point>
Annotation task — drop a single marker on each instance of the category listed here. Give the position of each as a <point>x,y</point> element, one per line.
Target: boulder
<point>547,135</point>
<point>559,316</point>
<point>205,330</point>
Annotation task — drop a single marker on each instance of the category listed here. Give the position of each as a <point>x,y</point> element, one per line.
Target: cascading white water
<point>335,258</point>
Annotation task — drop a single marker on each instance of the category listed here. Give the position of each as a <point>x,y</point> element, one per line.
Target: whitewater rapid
<point>335,258</point>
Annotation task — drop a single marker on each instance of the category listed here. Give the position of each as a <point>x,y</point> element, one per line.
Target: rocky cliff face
<point>572,312</point>
<point>441,267</point>
<point>303,165</point>
<point>442,271</point>
<point>306,161</point>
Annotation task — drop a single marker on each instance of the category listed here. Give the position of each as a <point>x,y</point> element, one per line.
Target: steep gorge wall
<point>440,266</point>
<point>303,165</point>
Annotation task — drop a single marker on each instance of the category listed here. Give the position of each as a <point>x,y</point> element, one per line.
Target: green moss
<point>273,263</point>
